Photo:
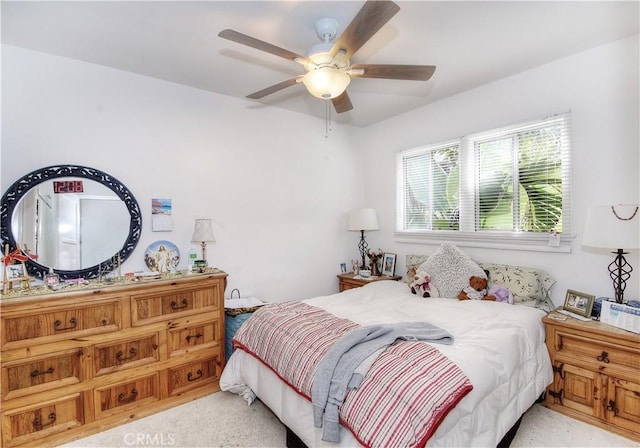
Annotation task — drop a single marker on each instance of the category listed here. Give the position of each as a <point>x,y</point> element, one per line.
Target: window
<point>509,185</point>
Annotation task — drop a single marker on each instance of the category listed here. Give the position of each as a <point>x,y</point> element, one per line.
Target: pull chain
<point>327,121</point>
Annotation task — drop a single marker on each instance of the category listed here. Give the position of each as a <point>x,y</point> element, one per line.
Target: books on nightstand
<point>621,316</point>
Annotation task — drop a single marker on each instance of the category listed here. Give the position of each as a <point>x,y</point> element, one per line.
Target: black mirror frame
<point>14,193</point>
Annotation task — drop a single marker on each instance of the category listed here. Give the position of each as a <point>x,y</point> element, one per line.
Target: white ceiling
<point>471,43</point>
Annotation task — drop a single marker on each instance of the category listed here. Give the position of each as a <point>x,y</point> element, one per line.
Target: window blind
<point>510,183</point>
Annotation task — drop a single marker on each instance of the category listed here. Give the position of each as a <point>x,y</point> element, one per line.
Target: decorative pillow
<point>524,283</point>
<point>413,261</point>
<point>450,270</point>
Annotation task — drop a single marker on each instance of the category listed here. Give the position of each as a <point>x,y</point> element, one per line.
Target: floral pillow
<point>450,269</point>
<point>525,283</point>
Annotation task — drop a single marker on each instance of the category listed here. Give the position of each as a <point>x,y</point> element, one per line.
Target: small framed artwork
<point>389,265</point>
<point>343,268</point>
<point>579,303</point>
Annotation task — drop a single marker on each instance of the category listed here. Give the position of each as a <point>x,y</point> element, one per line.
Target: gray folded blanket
<point>339,369</point>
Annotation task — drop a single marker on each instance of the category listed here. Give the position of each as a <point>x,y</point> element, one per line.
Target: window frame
<point>467,235</point>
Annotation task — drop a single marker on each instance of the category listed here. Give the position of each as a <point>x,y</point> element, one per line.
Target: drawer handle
<point>122,398</point>
<point>57,325</point>
<point>188,338</point>
<point>604,357</point>
<point>174,305</point>
<point>120,356</point>
<point>36,372</point>
<point>612,407</point>
<point>190,376</point>
<point>38,425</point>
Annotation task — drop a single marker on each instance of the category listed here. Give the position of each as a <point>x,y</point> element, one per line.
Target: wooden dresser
<point>596,373</point>
<point>77,363</point>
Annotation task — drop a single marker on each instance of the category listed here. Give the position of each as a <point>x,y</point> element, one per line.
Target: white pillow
<point>450,270</point>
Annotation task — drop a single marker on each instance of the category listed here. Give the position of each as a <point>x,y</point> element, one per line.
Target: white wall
<point>278,190</point>
<point>600,87</point>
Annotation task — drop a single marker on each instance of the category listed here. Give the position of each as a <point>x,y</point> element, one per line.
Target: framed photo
<point>15,271</point>
<point>343,268</point>
<point>389,265</point>
<point>579,303</point>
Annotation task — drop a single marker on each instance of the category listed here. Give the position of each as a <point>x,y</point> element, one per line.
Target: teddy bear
<point>477,290</point>
<point>420,282</point>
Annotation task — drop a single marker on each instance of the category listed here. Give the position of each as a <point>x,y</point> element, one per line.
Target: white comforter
<point>500,347</point>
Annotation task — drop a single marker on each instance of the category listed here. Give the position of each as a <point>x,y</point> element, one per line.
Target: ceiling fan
<point>328,64</point>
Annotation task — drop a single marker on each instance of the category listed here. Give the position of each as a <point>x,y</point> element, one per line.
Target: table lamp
<point>361,220</point>
<point>617,228</point>
<point>203,234</point>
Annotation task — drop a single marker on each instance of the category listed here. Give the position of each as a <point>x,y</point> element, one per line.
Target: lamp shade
<point>612,227</point>
<point>203,231</point>
<point>363,219</point>
<point>326,82</point>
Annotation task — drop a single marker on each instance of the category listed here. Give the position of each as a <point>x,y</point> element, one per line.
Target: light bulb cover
<point>326,82</point>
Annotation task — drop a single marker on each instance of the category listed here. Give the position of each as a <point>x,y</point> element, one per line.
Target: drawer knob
<point>190,376</point>
<point>175,306</point>
<point>36,372</point>
<point>122,398</point>
<point>603,357</point>
<point>120,355</point>
<point>196,336</point>
<point>38,425</point>
<point>57,325</point>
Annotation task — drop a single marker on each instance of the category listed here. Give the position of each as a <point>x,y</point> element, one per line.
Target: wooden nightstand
<point>596,373</point>
<point>347,281</point>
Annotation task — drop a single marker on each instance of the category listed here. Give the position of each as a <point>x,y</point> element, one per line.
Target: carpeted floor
<point>224,420</point>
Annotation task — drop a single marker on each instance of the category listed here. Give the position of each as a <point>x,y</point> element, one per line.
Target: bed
<point>498,352</point>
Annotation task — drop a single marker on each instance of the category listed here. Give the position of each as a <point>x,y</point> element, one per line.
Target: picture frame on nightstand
<point>389,264</point>
<point>578,303</point>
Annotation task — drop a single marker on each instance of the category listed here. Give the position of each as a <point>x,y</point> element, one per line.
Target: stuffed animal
<point>499,294</point>
<point>421,283</point>
<point>477,289</point>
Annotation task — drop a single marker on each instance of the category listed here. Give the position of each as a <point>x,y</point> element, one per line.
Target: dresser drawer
<point>64,323</point>
<point>112,357</point>
<point>194,337</point>
<point>606,354</point>
<point>42,373</point>
<point>25,425</point>
<point>194,375</point>
<point>139,392</point>
<point>168,303</point>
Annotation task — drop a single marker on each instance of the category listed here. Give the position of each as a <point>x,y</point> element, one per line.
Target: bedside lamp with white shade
<point>360,221</point>
<point>203,234</point>
<point>617,228</point>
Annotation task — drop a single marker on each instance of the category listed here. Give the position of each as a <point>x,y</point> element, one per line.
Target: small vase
<point>375,272</point>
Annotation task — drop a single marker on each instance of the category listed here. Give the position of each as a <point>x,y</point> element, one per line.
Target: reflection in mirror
<point>77,220</point>
<point>70,231</point>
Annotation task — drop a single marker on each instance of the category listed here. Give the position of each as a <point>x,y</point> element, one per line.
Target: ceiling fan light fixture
<point>326,82</point>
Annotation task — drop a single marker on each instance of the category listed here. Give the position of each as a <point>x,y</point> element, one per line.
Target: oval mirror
<point>79,221</point>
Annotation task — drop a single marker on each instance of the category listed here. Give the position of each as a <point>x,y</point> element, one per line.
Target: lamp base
<point>620,272</point>
<point>363,246</point>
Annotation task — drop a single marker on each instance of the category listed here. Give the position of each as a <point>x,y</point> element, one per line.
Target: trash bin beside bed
<point>237,309</point>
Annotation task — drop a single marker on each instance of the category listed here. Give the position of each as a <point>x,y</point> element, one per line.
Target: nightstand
<point>596,375</point>
<point>350,280</point>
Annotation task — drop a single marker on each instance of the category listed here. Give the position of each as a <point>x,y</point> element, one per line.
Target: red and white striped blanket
<point>407,392</point>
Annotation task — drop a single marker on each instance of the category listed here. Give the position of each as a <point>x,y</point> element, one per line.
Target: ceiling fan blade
<point>391,71</point>
<point>274,88</point>
<point>373,15</point>
<point>252,42</point>
<point>342,103</point>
